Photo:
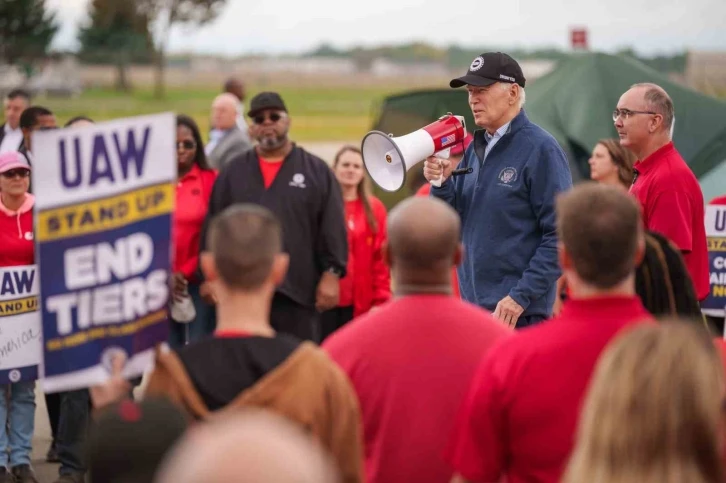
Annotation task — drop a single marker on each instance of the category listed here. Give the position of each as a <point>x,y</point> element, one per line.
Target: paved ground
<point>46,472</point>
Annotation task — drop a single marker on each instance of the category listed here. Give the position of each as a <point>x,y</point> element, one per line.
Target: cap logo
<point>476,64</point>
<point>506,77</point>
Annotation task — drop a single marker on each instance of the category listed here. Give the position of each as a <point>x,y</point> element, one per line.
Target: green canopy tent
<point>574,103</point>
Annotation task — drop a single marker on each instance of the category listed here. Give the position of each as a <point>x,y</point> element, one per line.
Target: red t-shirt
<point>192,202</point>
<point>16,235</point>
<point>672,205</point>
<point>411,361</point>
<point>269,169</point>
<point>520,417</point>
<point>720,200</point>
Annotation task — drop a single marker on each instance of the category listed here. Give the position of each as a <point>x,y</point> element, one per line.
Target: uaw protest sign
<point>104,201</point>
<point>20,333</point>
<point>716,235</point>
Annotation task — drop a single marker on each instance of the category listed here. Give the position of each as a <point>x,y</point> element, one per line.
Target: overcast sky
<point>291,26</point>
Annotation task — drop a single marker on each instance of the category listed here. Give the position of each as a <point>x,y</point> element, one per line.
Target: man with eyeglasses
<point>302,191</point>
<point>668,191</point>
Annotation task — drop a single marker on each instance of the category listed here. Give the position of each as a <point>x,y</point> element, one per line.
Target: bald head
<point>249,446</point>
<point>423,234</point>
<point>224,111</point>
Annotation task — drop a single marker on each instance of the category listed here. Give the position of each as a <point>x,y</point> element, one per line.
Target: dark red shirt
<point>192,202</point>
<point>672,205</point>
<point>411,362</point>
<point>520,417</point>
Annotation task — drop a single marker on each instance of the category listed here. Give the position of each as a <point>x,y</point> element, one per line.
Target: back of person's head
<point>128,440</point>
<point>662,280</point>
<point>654,410</point>
<point>251,446</point>
<point>245,241</point>
<point>423,236</point>
<point>29,117</point>
<point>78,121</point>
<point>600,233</point>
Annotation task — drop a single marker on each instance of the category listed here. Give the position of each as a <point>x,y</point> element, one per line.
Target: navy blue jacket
<point>507,210</point>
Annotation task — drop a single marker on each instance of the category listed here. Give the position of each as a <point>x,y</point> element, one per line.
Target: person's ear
<point>386,254</point>
<point>640,251</point>
<point>459,254</point>
<point>656,122</point>
<point>280,264</point>
<point>563,257</point>
<point>209,267</point>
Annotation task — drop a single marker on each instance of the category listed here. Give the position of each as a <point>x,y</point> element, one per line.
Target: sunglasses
<point>19,172</point>
<point>188,145</point>
<point>274,117</point>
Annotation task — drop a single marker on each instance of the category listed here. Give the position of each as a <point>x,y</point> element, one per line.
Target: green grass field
<point>318,114</point>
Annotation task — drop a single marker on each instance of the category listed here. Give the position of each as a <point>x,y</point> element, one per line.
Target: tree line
<point>124,32</point>
<point>118,32</point>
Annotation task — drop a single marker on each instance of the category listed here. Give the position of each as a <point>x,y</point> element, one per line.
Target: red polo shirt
<point>411,362</point>
<point>672,203</point>
<point>192,202</point>
<point>520,417</point>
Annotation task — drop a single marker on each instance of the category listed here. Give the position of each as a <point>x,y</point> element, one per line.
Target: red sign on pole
<point>578,38</point>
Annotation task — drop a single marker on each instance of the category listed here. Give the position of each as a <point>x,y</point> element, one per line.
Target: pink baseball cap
<point>458,149</point>
<point>13,159</point>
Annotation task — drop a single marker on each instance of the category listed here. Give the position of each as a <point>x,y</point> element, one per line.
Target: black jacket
<point>307,199</point>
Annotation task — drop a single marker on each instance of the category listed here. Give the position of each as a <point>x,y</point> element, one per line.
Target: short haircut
<point>600,227</point>
<point>244,240</point>
<point>659,101</point>
<point>15,93</point>
<point>76,119</point>
<point>29,117</point>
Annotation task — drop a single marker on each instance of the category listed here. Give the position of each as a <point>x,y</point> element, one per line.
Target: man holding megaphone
<point>506,200</point>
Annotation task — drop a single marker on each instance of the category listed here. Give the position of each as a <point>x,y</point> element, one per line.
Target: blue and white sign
<point>104,202</point>
<point>716,236</point>
<point>21,348</point>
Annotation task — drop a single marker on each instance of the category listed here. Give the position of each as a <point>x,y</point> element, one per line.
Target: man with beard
<point>302,191</point>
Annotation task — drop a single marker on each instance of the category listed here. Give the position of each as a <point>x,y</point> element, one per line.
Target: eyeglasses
<point>274,117</point>
<point>188,145</point>
<point>19,172</point>
<point>626,113</point>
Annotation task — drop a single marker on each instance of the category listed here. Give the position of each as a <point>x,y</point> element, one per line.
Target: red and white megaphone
<point>388,159</point>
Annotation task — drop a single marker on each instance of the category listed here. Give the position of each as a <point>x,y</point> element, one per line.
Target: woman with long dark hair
<point>367,282</point>
<point>194,187</point>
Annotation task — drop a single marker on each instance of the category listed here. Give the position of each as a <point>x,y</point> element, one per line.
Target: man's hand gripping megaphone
<point>438,168</point>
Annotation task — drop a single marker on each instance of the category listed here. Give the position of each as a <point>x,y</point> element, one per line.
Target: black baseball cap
<point>491,67</point>
<point>266,100</point>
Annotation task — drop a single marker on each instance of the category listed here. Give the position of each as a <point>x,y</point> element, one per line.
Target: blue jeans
<point>17,423</point>
<point>203,324</point>
<point>75,411</point>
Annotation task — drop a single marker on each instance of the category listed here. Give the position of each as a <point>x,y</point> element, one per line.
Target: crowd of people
<point>506,325</point>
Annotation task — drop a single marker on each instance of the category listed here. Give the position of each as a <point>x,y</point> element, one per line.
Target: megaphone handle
<point>443,154</point>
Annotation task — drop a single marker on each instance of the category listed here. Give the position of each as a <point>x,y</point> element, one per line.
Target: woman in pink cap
<point>17,418</point>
